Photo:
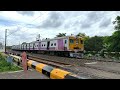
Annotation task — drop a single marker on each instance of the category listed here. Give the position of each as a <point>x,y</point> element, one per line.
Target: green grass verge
<point>5,66</point>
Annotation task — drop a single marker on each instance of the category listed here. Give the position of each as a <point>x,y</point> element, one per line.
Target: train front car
<point>76,47</point>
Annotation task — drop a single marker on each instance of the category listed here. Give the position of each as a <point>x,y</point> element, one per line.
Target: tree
<point>114,40</point>
<point>81,34</point>
<point>117,23</point>
<point>61,35</point>
<point>94,43</point>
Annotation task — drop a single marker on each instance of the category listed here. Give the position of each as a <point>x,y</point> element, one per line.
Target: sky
<point>24,26</point>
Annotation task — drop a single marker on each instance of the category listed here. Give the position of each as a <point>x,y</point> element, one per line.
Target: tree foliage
<point>61,35</point>
<point>114,40</point>
<point>94,43</point>
<point>117,23</point>
<point>81,34</point>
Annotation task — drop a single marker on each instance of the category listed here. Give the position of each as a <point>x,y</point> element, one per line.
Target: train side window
<point>65,41</point>
<point>71,41</point>
<point>44,44</point>
<point>54,44</point>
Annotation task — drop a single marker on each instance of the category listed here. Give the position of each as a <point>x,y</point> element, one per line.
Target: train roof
<point>51,39</point>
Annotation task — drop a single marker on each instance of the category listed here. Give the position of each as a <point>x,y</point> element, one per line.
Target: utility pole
<point>5,38</point>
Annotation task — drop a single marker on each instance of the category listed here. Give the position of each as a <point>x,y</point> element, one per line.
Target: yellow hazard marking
<point>58,74</point>
<point>39,67</point>
<point>29,63</point>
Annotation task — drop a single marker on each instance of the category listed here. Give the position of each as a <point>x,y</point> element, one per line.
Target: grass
<point>5,66</point>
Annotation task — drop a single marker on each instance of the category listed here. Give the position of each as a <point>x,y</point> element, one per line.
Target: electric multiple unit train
<point>69,46</point>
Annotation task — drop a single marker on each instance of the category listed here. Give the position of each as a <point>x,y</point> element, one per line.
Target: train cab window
<point>76,41</point>
<point>81,41</point>
<point>65,41</point>
<point>71,41</point>
<point>54,44</point>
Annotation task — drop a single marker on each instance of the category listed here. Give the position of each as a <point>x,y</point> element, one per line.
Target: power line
<point>23,26</point>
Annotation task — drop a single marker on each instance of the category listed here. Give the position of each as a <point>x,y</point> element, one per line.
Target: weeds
<point>5,66</point>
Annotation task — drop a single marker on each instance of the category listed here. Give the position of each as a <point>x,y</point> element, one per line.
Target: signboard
<point>10,59</point>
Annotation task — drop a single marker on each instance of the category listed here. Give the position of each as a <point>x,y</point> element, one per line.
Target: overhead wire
<point>23,26</point>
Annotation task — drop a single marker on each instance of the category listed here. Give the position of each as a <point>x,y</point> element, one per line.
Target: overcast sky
<point>23,26</point>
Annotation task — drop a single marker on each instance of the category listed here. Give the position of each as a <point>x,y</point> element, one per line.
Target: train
<point>69,46</point>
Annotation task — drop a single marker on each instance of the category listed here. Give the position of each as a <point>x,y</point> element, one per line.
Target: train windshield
<point>71,41</point>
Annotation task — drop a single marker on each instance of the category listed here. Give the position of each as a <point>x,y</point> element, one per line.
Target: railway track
<point>99,60</point>
<point>45,61</point>
<point>68,63</point>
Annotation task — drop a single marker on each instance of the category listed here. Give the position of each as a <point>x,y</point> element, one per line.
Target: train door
<point>26,46</point>
<point>48,44</point>
<point>60,44</point>
<point>33,45</point>
<point>29,46</point>
<point>39,45</point>
<point>65,44</point>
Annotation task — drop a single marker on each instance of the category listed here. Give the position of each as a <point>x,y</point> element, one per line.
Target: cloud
<point>28,13</point>
<point>49,24</point>
<point>5,22</point>
<point>105,23</point>
<point>85,24</point>
<point>91,18</point>
<point>54,20</point>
